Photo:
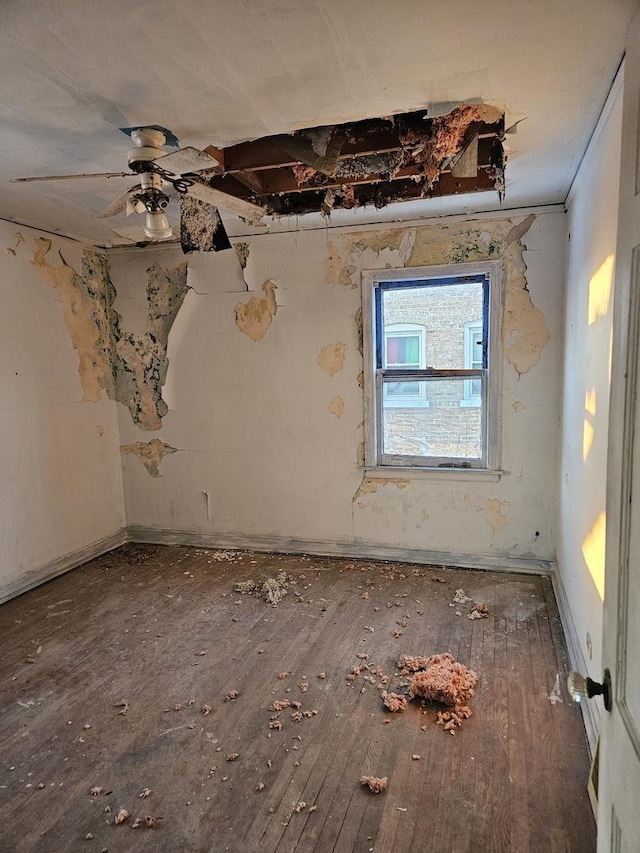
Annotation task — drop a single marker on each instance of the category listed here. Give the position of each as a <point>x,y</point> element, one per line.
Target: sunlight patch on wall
<point>588,431</point>
<point>600,290</point>
<point>593,550</point>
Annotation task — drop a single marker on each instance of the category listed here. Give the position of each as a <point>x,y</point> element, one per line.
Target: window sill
<point>483,475</point>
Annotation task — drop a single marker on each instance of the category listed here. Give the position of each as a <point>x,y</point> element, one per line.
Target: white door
<point>619,788</point>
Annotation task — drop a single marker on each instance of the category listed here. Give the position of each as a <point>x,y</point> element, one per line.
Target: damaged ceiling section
<point>370,162</point>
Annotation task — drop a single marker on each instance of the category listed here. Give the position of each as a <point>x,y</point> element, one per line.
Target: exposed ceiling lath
<point>370,162</point>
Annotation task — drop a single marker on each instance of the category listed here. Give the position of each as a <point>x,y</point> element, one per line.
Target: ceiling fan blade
<point>123,236</point>
<point>186,161</point>
<point>216,198</point>
<point>201,228</point>
<point>71,177</point>
<point>120,204</point>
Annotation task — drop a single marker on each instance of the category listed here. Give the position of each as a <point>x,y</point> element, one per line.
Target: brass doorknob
<point>585,688</point>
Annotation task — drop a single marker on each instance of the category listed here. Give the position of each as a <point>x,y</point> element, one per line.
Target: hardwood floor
<point>160,627</point>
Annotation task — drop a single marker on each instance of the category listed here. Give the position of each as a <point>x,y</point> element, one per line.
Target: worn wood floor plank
<point>162,629</point>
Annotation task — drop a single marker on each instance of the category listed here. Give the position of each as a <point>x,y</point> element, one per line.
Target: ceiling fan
<point>184,171</point>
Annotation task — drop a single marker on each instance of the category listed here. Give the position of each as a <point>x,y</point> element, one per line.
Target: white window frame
<point>491,385</point>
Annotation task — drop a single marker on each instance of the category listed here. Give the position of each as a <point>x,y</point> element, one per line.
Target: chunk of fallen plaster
<point>254,317</point>
<point>331,358</point>
<point>150,453</point>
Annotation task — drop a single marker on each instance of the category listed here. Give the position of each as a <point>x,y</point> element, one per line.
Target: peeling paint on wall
<point>390,248</point>
<point>360,455</point>
<point>150,453</point>
<point>254,317</point>
<point>336,406</point>
<point>524,329</point>
<point>518,406</point>
<point>338,271</point>
<point>518,231</point>
<point>87,301</point>
<point>331,358</point>
<point>360,331</point>
<point>494,513</point>
<point>369,485</point>
<point>140,360</point>
<point>130,368</point>
<point>19,240</point>
<point>242,251</point>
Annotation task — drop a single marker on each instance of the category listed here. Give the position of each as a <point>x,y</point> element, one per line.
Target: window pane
<point>476,350</point>
<point>441,427</point>
<point>445,311</point>
<point>403,350</point>
<point>402,389</point>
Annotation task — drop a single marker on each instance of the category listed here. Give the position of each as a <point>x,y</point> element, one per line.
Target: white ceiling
<point>222,71</point>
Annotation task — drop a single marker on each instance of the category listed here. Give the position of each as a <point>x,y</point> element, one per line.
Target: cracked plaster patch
<point>150,453</point>
<point>495,516</point>
<point>254,317</point>
<point>336,406</point>
<point>370,485</point>
<point>331,358</point>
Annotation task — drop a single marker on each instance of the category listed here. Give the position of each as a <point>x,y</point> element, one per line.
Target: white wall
<point>61,485</point>
<point>592,225</point>
<point>251,420</point>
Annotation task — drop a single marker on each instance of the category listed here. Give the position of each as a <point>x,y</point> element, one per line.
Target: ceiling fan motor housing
<point>149,144</point>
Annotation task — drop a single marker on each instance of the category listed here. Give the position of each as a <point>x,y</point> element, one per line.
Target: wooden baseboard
<point>590,710</point>
<point>354,550</point>
<point>60,565</point>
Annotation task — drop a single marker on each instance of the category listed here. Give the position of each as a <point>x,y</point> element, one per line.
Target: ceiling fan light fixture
<point>157,226</point>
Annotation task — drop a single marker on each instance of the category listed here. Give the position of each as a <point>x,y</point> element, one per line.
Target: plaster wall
<point>265,398</point>
<point>61,485</point>
<point>592,225</point>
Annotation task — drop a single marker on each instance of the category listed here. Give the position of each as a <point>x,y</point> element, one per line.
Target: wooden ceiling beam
<point>282,180</point>
<point>310,201</point>
<point>267,153</point>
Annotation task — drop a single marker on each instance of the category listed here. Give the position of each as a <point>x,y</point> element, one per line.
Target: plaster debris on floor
<point>281,728</point>
<point>377,784</point>
<point>272,589</point>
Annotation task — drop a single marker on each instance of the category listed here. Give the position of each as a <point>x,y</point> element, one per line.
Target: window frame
<point>491,380</point>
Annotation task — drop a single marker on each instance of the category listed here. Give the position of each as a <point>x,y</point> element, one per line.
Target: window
<point>431,377</point>
<point>404,348</point>
<point>473,352</point>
